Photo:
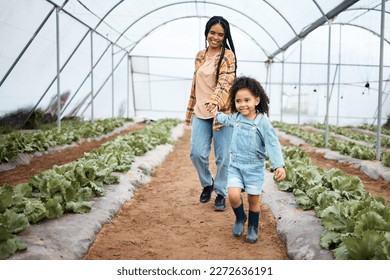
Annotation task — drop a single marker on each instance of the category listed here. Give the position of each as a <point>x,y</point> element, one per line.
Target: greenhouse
<point>88,69</point>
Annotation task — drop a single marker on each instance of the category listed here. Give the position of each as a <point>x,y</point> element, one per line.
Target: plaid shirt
<point>220,95</point>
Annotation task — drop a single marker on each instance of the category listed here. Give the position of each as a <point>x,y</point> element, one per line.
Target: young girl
<point>253,140</point>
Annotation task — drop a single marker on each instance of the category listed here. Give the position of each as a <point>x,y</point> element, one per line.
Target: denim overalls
<point>246,169</point>
<point>248,151</point>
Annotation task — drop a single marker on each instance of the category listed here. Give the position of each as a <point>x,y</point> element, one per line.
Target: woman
<point>215,71</point>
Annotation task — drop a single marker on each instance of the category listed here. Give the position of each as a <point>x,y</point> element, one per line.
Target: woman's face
<point>215,36</point>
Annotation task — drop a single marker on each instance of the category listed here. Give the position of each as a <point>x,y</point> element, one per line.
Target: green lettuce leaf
<point>15,222</point>
<point>6,193</point>
<point>78,207</point>
<point>10,246</point>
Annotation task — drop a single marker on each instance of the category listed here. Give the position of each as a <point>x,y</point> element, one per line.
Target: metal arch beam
<point>362,27</point>
<point>195,2</point>
<point>108,12</point>
<point>185,17</point>
<point>331,14</point>
<point>366,9</point>
<point>101,20</point>
<point>282,16</point>
<point>27,45</point>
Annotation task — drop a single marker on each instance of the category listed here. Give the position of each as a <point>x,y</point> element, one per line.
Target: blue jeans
<point>201,138</point>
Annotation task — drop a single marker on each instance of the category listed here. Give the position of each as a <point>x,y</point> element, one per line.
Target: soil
<point>165,220</point>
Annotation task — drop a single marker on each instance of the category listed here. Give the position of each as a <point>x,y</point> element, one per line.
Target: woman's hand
<point>212,108</point>
<point>280,174</point>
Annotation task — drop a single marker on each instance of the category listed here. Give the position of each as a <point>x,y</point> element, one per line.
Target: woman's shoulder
<point>229,53</point>
<point>201,53</point>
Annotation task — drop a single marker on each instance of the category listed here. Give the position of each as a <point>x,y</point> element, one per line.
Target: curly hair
<point>227,40</point>
<point>255,88</point>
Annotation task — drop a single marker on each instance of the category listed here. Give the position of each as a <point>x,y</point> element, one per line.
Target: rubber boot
<point>238,227</point>
<point>253,226</point>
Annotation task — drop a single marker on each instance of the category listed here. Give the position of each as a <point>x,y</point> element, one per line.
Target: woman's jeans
<point>201,138</point>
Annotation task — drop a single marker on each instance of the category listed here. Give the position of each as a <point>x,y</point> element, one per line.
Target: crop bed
<point>375,187</point>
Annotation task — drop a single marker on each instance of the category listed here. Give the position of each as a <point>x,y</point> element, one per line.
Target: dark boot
<point>253,226</point>
<point>206,193</point>
<point>238,227</point>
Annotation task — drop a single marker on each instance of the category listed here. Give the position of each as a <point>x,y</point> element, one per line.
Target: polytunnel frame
<point>325,18</point>
<point>158,26</point>
<point>319,22</point>
<point>91,30</point>
<point>60,68</point>
<point>328,18</point>
<point>194,2</point>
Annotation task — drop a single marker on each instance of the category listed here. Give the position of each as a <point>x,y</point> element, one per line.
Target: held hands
<point>212,108</point>
<point>280,174</point>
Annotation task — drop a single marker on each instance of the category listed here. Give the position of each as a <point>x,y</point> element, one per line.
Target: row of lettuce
<point>70,188</point>
<point>352,134</point>
<point>344,147</point>
<point>19,142</point>
<point>356,225</point>
<point>371,127</point>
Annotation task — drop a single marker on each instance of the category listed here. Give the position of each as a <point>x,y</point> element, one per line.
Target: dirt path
<point>165,221</point>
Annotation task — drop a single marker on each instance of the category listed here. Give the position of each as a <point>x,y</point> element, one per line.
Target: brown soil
<point>164,220</point>
<point>22,173</point>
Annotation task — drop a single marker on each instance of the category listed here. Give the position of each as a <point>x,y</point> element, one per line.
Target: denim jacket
<point>265,142</point>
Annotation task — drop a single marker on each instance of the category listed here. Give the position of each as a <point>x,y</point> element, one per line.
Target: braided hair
<point>255,88</point>
<point>227,39</point>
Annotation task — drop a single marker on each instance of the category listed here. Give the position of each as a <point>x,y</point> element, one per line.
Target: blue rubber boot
<point>253,226</point>
<point>238,227</point>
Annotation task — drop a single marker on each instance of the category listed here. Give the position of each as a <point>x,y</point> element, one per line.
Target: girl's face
<point>246,103</point>
<point>215,36</point>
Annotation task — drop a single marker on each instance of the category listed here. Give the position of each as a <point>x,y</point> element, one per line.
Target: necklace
<point>211,57</point>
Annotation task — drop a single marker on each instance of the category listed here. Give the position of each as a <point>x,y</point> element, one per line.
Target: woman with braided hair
<point>215,71</point>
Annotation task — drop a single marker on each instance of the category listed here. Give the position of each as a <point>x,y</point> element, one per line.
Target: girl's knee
<point>234,195</point>
<point>254,202</point>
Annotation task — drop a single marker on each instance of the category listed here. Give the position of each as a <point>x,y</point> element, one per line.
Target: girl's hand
<point>280,174</point>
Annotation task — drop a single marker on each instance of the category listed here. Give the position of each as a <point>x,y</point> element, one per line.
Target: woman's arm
<point>226,77</point>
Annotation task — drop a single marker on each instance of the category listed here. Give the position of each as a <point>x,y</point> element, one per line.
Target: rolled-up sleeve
<point>192,100</point>
<point>227,74</point>
<point>226,78</point>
